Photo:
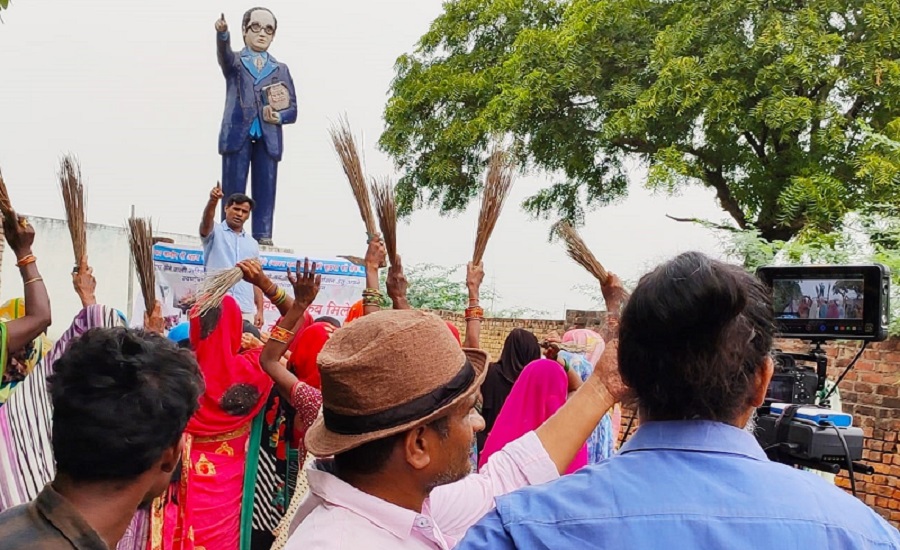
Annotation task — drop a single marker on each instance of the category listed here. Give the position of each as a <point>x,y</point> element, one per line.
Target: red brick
<point>871,377</point>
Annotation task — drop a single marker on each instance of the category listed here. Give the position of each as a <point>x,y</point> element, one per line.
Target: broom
<point>5,204</point>
<point>214,288</point>
<point>140,240</point>
<point>578,251</point>
<point>9,215</point>
<point>73,200</point>
<point>345,146</point>
<point>496,189</point>
<point>386,209</point>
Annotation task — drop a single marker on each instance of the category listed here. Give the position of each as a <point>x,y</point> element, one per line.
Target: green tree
<point>762,101</point>
<point>439,288</point>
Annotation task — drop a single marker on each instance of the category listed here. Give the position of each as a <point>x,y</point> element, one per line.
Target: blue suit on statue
<point>246,138</point>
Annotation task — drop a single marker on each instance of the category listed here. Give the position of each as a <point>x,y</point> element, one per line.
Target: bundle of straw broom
<point>73,200</point>
<point>496,188</point>
<point>386,209</point>
<point>9,215</point>
<point>140,240</point>
<point>578,251</point>
<point>214,288</point>
<point>345,146</point>
<point>5,204</point>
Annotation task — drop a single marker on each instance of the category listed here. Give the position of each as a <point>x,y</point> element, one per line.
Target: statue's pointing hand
<point>221,25</point>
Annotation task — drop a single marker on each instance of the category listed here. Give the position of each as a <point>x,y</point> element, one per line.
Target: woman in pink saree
<point>539,392</point>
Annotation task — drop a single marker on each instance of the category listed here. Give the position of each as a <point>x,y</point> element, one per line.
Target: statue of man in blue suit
<point>259,99</point>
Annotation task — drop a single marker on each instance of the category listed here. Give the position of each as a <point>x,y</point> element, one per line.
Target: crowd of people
<point>393,430</point>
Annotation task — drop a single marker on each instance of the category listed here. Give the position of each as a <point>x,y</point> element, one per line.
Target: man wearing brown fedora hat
<point>399,419</point>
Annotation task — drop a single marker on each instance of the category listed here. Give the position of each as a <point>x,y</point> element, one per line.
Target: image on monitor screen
<point>818,298</point>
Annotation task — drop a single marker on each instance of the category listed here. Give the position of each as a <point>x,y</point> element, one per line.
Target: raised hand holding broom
<point>376,256</point>
<point>84,283</point>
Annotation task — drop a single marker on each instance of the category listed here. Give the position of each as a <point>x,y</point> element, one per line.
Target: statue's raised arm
<point>259,100</point>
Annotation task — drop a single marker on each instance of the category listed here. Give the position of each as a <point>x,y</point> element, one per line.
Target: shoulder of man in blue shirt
<point>731,497</point>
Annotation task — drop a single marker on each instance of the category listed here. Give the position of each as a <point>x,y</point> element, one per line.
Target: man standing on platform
<point>226,243</point>
<point>259,99</point>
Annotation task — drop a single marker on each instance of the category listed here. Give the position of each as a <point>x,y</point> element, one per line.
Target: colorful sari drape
<point>586,347</point>
<point>538,393</point>
<point>204,507</point>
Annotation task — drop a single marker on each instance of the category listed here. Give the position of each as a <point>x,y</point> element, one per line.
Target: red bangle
<point>29,259</point>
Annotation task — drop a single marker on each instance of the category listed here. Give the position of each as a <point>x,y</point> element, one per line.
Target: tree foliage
<point>763,101</point>
<point>439,288</point>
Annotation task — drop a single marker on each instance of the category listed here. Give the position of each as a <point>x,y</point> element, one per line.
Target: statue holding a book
<point>259,99</point>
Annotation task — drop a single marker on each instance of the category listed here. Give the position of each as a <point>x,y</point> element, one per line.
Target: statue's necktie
<point>259,62</point>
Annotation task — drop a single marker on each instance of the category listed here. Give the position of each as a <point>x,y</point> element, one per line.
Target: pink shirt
<point>335,515</point>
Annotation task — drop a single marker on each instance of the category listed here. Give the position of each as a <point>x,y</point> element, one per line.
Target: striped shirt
<point>49,522</point>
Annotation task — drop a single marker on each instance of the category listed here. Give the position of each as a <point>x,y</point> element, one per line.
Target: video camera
<point>795,425</point>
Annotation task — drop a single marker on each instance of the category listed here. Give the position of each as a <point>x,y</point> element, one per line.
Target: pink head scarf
<point>587,340</point>
<point>539,392</point>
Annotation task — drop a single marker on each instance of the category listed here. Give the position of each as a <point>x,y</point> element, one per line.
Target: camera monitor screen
<point>829,302</point>
<point>819,298</point>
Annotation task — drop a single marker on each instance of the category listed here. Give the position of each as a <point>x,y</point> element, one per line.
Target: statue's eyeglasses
<point>256,27</point>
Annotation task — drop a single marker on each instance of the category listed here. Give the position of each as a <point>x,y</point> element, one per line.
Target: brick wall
<point>495,331</point>
<point>870,392</point>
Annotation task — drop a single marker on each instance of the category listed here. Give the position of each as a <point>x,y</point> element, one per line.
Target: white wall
<point>108,254</point>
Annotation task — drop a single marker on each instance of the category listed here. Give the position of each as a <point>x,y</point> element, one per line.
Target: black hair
<point>250,328</point>
<point>330,320</point>
<point>692,337</point>
<point>371,457</point>
<point>121,397</point>
<point>240,198</point>
<point>184,344</point>
<point>249,13</point>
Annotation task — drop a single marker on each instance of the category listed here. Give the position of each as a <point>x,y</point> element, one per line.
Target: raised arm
<point>397,285</point>
<point>375,257</point>
<point>474,313</point>
<point>223,46</point>
<point>209,212</point>
<point>20,236</point>
<point>85,284</point>
<point>254,274</point>
<point>306,286</point>
<point>563,434</point>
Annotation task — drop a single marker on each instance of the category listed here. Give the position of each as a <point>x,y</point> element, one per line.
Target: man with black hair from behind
<point>121,401</point>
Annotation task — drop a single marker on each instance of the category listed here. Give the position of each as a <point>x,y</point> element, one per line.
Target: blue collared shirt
<point>222,249</point>
<point>684,485</point>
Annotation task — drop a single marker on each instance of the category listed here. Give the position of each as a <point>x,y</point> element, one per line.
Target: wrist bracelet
<point>279,298</point>
<point>36,279</point>
<point>281,334</point>
<point>29,259</point>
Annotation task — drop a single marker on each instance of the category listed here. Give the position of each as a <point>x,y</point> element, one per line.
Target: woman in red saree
<point>205,510</point>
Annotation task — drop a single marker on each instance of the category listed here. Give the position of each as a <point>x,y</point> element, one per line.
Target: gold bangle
<point>36,279</point>
<point>281,334</point>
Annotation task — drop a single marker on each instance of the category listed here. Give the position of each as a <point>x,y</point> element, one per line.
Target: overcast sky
<point>133,88</point>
